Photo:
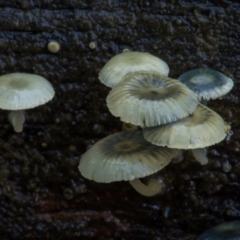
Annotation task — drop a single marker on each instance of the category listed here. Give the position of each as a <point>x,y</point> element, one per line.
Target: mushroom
<point>53,47</point>
<point>207,83</point>
<point>150,99</point>
<point>202,128</point>
<point>20,91</point>
<point>128,62</point>
<point>126,156</point>
<point>92,45</point>
<point>223,231</point>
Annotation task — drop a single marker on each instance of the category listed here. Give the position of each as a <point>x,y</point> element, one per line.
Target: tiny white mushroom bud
<point>53,47</point>
<point>92,45</point>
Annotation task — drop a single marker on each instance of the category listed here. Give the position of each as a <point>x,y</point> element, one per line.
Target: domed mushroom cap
<point>201,129</point>
<point>24,91</point>
<point>224,231</point>
<point>150,99</point>
<point>207,83</point>
<point>127,62</point>
<point>124,156</point>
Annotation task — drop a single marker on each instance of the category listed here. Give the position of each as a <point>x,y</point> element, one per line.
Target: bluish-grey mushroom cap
<point>20,91</point>
<point>207,83</point>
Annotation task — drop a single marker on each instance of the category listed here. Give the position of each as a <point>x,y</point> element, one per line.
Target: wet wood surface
<point>42,193</point>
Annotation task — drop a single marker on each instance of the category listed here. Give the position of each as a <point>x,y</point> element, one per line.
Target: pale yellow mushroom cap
<point>124,156</point>
<point>150,99</point>
<point>23,91</point>
<point>201,129</point>
<point>127,62</point>
<point>53,47</point>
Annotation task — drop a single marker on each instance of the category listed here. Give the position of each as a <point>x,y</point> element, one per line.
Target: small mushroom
<point>223,231</point>
<point>20,91</point>
<point>126,156</point>
<point>128,62</point>
<point>207,83</point>
<point>202,128</point>
<point>53,47</point>
<point>150,99</point>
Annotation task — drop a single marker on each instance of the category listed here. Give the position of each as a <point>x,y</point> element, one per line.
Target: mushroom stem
<point>200,155</point>
<point>152,188</point>
<point>17,119</point>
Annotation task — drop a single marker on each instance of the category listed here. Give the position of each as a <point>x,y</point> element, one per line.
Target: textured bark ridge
<point>42,193</point>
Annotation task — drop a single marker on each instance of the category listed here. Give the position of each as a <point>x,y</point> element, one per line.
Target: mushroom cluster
<point>168,112</point>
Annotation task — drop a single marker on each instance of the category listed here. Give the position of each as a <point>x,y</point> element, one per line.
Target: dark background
<point>42,193</point>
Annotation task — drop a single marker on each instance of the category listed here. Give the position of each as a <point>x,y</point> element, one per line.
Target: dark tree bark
<point>42,193</point>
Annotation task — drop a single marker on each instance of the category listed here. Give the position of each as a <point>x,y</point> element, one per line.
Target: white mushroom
<point>150,99</point>
<point>53,47</point>
<point>128,62</point>
<point>201,129</point>
<point>126,156</point>
<point>20,91</point>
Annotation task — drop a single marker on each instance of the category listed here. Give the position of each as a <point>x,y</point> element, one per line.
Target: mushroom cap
<point>127,62</point>
<point>207,83</point>
<point>224,231</point>
<point>201,129</point>
<point>124,156</point>
<point>150,99</point>
<point>23,91</point>
<point>53,47</point>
